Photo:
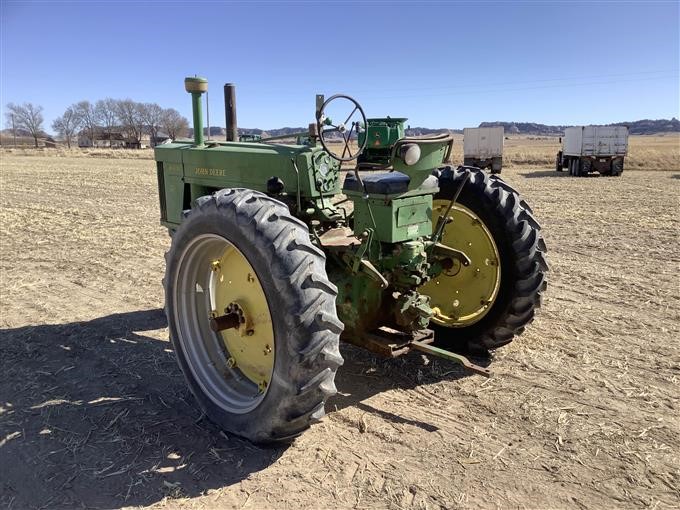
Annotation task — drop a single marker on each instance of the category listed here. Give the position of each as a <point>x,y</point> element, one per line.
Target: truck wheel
<point>469,162</point>
<point>558,162</point>
<point>617,167</point>
<point>496,165</point>
<point>483,306</point>
<point>251,315</point>
<point>575,167</point>
<point>584,167</point>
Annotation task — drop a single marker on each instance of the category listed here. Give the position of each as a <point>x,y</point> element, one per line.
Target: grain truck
<point>588,149</point>
<point>483,148</point>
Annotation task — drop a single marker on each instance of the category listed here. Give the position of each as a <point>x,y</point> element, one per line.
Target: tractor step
<point>391,343</point>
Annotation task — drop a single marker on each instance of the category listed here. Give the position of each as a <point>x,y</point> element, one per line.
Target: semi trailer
<point>483,148</point>
<point>587,149</point>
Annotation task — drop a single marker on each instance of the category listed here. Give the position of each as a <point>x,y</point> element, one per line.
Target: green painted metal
<point>432,155</point>
<point>451,356</point>
<point>240,164</point>
<point>382,134</point>
<point>393,218</point>
<point>249,138</point>
<point>196,86</point>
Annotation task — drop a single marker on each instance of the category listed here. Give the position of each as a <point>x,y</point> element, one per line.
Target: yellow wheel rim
<point>461,296</point>
<point>250,347</point>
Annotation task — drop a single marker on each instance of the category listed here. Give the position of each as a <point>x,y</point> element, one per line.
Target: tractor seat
<point>384,183</point>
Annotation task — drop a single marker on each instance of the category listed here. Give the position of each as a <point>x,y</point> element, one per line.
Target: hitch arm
<point>451,356</point>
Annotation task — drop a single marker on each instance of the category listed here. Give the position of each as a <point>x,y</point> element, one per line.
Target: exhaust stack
<point>230,112</point>
<point>196,86</point>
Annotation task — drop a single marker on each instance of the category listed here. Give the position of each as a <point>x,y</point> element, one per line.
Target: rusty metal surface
<point>342,237</point>
<point>390,342</point>
<point>227,321</point>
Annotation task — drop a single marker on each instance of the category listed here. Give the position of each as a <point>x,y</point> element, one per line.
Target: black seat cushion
<point>384,183</point>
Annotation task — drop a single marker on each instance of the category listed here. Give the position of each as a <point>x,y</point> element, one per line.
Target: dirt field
<point>582,412</point>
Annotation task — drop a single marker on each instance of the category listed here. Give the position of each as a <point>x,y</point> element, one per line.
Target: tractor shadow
<point>97,414</point>
<point>364,375</point>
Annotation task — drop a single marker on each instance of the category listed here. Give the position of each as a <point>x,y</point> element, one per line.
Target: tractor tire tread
<point>528,253</point>
<point>310,317</point>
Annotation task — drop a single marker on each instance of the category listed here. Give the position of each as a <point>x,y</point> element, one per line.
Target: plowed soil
<point>583,410</point>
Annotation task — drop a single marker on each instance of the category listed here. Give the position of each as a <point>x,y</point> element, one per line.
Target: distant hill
<point>638,127</point>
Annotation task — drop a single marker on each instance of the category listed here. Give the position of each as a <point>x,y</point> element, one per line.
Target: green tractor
<point>276,256</point>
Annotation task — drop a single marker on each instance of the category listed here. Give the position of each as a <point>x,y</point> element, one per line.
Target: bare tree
<point>174,124</point>
<point>152,115</point>
<point>67,125</point>
<point>129,115</point>
<point>105,114</point>
<point>28,117</point>
<point>88,119</point>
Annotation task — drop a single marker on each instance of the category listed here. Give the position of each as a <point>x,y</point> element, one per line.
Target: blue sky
<point>442,64</point>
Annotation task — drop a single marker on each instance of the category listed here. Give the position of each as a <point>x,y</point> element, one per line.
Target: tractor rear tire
<point>294,310</point>
<point>521,250</point>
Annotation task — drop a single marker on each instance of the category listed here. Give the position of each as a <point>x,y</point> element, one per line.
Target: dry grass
<point>582,411</point>
<point>658,152</point>
<point>63,152</point>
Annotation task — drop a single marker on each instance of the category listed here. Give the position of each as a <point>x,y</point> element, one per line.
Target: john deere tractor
<point>278,253</point>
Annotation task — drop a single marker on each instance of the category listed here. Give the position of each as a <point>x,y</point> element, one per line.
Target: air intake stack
<point>196,86</point>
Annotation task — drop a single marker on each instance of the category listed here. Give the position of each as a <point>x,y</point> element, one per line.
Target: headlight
<point>410,153</point>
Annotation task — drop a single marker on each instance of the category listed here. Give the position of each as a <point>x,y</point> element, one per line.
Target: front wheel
<point>484,305</point>
<point>251,315</point>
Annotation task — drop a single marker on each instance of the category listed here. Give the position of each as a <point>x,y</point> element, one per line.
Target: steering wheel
<point>325,127</point>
